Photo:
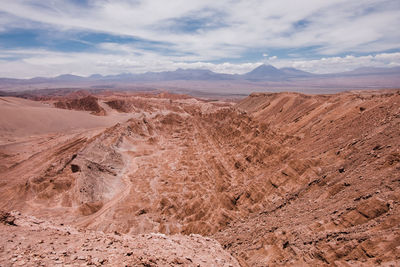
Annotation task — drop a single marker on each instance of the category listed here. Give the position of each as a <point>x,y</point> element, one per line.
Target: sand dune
<point>21,118</point>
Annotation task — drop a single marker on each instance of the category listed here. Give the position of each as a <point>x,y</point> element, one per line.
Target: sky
<point>83,37</point>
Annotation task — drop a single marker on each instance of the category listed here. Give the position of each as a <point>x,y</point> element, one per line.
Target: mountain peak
<point>263,71</point>
<point>96,76</point>
<point>265,67</point>
<point>68,77</point>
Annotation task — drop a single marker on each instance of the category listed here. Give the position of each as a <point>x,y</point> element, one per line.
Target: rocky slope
<point>28,241</point>
<point>344,213</point>
<point>88,103</point>
<point>278,179</point>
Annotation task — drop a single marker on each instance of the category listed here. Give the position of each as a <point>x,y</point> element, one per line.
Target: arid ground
<point>140,179</point>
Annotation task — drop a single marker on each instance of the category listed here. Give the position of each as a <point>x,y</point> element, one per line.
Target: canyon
<point>161,179</point>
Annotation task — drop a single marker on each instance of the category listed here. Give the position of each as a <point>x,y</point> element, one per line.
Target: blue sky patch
<point>202,20</point>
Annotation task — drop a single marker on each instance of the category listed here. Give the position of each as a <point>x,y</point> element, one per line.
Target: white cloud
<point>44,63</point>
<point>340,64</point>
<point>319,27</point>
<point>335,26</point>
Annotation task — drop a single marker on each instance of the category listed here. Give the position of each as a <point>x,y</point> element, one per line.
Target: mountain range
<point>261,73</point>
<point>206,82</point>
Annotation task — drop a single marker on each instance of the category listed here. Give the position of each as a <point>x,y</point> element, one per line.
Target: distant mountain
<point>270,73</point>
<point>368,71</point>
<point>95,76</point>
<point>119,77</point>
<point>263,73</point>
<point>292,72</point>
<point>179,74</point>
<point>68,78</point>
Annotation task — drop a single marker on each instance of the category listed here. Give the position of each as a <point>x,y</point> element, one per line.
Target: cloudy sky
<point>82,37</point>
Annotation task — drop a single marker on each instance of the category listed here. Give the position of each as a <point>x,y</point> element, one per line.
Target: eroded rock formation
<point>277,179</point>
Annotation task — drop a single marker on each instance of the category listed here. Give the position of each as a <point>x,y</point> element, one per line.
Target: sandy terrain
<point>277,179</point>
<point>22,118</point>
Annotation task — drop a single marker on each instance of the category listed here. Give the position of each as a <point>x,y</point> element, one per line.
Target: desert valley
<point>232,133</point>
<point>160,179</point>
